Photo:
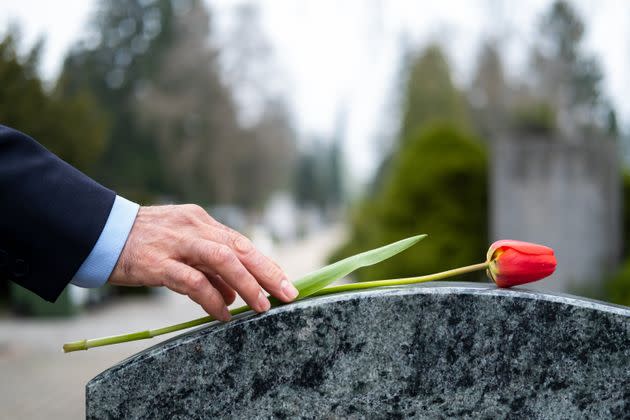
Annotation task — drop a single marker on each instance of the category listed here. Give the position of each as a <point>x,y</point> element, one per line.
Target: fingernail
<point>263,302</point>
<point>226,315</point>
<point>288,289</point>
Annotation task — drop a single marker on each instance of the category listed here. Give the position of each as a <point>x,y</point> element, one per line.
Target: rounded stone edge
<point>435,288</point>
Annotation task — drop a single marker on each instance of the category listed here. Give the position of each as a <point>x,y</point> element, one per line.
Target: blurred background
<point>321,129</point>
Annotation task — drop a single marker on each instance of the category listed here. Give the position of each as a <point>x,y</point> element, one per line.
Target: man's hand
<point>186,250</point>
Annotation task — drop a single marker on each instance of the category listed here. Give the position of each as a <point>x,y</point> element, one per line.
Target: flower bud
<point>514,262</point>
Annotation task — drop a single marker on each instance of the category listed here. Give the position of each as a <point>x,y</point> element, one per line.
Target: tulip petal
<point>514,268</point>
<point>521,246</point>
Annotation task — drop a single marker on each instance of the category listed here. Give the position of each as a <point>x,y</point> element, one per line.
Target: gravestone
<point>557,192</point>
<point>439,350</point>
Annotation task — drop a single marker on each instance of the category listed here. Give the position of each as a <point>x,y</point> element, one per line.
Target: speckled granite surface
<point>436,351</point>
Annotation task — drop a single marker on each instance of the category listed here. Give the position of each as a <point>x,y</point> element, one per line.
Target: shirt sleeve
<point>99,264</point>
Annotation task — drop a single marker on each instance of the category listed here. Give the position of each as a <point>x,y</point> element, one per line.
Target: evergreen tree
<point>312,180</point>
<point>175,125</point>
<point>438,186</point>
<point>72,127</point>
<point>430,95</point>
<point>115,61</point>
<point>267,163</point>
<point>435,182</point>
<point>567,78</point>
<point>489,92</point>
<point>191,114</point>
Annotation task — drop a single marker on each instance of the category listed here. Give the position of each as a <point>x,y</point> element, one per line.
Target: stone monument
<point>564,193</point>
<point>438,350</point>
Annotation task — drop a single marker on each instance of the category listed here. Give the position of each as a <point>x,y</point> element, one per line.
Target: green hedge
<point>617,287</point>
<point>437,184</point>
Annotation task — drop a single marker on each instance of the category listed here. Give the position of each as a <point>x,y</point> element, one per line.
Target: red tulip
<point>515,262</point>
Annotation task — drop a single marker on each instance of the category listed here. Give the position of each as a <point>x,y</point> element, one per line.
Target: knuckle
<point>192,208</point>
<point>222,254</point>
<point>271,271</point>
<point>195,281</point>
<point>241,244</point>
<point>192,211</point>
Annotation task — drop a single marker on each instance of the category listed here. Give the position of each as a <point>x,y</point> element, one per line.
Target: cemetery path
<point>40,381</point>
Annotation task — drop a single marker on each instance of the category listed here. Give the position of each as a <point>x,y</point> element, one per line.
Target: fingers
<point>193,254</point>
<point>222,260</point>
<point>268,274</point>
<point>229,295</point>
<point>184,279</point>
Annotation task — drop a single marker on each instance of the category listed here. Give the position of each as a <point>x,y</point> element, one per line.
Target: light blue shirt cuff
<point>97,267</point>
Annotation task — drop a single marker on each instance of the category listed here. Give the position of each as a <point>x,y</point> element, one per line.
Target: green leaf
<point>321,278</point>
<point>307,285</point>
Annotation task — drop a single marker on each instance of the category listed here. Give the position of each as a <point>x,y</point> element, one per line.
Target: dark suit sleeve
<point>51,215</point>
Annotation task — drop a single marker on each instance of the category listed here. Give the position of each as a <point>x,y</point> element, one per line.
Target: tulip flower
<point>511,263</point>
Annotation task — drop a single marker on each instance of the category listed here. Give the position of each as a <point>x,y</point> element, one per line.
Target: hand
<point>186,250</point>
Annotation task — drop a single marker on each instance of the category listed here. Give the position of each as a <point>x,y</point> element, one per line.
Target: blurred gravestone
<point>446,350</point>
<point>564,193</point>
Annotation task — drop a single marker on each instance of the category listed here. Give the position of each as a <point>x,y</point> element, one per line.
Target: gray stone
<point>564,193</point>
<point>441,350</point>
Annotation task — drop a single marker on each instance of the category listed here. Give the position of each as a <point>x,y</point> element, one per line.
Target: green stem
<point>401,282</point>
<point>143,335</point>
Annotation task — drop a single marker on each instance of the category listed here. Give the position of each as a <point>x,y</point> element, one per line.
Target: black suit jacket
<point>51,215</point>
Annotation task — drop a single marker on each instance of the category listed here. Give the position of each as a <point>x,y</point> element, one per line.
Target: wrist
<point>99,264</point>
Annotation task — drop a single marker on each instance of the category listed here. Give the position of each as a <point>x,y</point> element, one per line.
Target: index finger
<point>266,272</point>
<point>221,259</point>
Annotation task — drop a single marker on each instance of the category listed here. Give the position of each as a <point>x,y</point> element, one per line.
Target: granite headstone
<point>439,350</point>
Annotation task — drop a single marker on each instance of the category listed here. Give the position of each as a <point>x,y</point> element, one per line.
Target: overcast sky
<point>333,56</point>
